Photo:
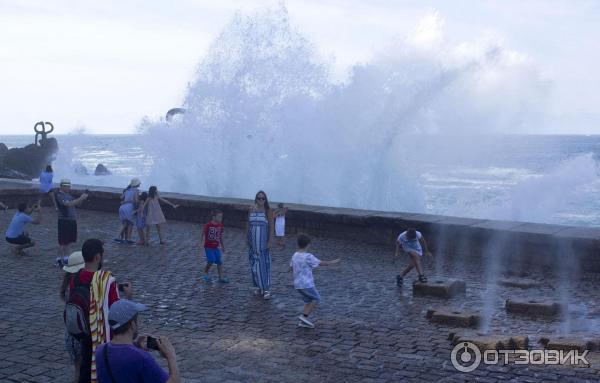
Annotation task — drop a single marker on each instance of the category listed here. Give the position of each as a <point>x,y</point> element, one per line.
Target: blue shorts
<point>213,256</point>
<point>310,295</point>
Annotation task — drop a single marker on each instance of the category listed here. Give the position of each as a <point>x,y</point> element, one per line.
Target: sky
<point>103,66</point>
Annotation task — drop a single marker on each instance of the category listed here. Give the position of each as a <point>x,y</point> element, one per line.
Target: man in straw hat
<point>67,218</point>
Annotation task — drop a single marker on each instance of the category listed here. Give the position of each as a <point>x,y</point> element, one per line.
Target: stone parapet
<point>518,244</point>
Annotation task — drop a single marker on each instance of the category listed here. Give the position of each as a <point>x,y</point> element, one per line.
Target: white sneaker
<point>302,324</point>
<point>267,295</point>
<point>304,320</point>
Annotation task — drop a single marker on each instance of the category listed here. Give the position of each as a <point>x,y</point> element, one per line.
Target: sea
<point>531,178</point>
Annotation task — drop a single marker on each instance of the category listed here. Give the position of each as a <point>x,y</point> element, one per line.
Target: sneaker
<point>267,295</point>
<point>223,280</point>
<point>422,278</point>
<point>302,324</point>
<point>304,320</point>
<point>399,280</point>
<point>206,278</point>
<point>129,242</point>
<point>257,291</point>
<point>118,240</point>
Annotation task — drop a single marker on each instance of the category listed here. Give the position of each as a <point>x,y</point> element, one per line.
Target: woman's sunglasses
<point>261,199</point>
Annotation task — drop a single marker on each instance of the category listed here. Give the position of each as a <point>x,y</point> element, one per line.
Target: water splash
<point>263,113</point>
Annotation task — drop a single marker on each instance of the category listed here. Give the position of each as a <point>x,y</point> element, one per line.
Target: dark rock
<point>101,170</point>
<point>3,150</point>
<point>31,159</point>
<point>80,168</point>
<point>14,174</point>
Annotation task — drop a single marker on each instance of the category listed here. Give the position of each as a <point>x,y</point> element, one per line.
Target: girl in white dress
<point>279,214</point>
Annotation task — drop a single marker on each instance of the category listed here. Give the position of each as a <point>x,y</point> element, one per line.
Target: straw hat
<point>135,182</point>
<point>74,263</point>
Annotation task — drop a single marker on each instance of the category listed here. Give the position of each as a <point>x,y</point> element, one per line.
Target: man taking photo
<point>67,218</point>
<point>124,359</point>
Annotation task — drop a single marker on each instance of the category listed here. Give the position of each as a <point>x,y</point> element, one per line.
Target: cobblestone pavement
<point>367,329</point>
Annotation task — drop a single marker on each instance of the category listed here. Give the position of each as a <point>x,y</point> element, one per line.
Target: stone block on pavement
<point>439,287</point>
<point>534,307</point>
<point>453,317</point>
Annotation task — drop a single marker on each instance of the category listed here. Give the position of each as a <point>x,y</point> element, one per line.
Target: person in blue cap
<point>126,359</point>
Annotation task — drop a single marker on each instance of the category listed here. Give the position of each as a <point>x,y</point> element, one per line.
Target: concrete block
<point>534,307</point>
<point>492,341</point>
<point>442,288</point>
<point>521,283</point>
<point>453,317</point>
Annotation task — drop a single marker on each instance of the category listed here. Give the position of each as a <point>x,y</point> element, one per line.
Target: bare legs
<point>19,248</point>
<point>157,230</point>
<point>415,261</point>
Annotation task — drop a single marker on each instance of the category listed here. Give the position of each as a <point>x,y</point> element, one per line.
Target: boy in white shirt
<point>412,243</point>
<point>302,264</point>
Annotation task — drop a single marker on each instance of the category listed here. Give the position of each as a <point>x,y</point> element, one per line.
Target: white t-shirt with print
<point>411,244</point>
<point>302,265</point>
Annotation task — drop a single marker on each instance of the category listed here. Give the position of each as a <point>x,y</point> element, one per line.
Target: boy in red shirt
<point>212,240</point>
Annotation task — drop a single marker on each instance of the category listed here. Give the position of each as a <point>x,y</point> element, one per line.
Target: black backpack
<point>77,308</point>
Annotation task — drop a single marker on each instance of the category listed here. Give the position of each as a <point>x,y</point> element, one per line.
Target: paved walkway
<point>367,329</point>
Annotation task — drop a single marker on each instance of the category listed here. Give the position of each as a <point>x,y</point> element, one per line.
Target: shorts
<point>213,256</point>
<point>20,240</point>
<point>67,231</point>
<point>310,295</point>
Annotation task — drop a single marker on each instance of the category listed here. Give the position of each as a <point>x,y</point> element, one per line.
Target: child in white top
<point>279,214</point>
<point>412,243</point>
<point>302,264</point>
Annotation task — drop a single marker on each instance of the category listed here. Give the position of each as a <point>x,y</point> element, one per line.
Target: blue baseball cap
<point>122,311</point>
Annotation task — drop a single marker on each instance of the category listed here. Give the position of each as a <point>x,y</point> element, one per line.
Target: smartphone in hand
<point>152,343</point>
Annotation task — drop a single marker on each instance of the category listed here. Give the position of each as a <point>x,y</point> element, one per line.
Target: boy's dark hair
<point>214,212</point>
<point>123,328</point>
<point>22,206</point>
<point>143,196</point>
<point>303,240</point>
<point>90,248</point>
<point>49,168</point>
<point>411,233</point>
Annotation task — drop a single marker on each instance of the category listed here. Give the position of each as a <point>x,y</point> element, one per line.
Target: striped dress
<point>259,255</point>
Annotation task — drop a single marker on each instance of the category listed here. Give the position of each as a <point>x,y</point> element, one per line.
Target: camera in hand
<point>122,286</point>
<point>152,343</point>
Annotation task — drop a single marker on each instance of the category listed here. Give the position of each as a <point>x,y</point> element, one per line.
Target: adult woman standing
<point>46,187</point>
<point>260,222</point>
<point>129,199</point>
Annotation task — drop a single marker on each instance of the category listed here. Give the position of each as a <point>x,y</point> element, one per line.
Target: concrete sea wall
<point>520,245</point>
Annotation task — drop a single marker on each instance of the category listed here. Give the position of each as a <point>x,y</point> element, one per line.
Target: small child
<point>212,240</point>
<point>279,214</point>
<point>302,264</point>
<point>412,243</point>
<point>154,215</point>
<point>140,218</point>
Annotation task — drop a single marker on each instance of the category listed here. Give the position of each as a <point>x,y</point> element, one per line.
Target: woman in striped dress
<point>260,222</point>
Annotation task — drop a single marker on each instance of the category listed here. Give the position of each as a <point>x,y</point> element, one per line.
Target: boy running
<point>212,240</point>
<point>302,264</point>
<point>412,243</point>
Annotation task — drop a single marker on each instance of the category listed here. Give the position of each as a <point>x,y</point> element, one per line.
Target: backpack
<point>77,309</point>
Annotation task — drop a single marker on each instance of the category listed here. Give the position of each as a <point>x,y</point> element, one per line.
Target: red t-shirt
<point>213,232</point>
<point>86,278</point>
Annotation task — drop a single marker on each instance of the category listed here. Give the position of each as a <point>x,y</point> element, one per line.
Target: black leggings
<point>85,372</point>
